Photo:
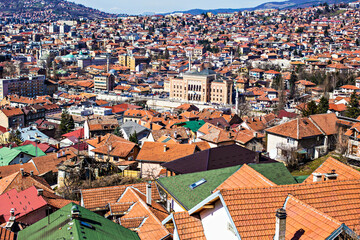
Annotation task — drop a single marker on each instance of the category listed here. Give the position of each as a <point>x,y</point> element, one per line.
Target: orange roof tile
<point>151,226</point>
<point>245,177</point>
<point>97,198</point>
<point>344,171</point>
<point>155,151</point>
<point>188,227</point>
<point>253,210</point>
<point>312,223</point>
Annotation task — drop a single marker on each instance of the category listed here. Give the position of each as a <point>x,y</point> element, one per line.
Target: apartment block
<point>31,86</point>
<point>104,82</point>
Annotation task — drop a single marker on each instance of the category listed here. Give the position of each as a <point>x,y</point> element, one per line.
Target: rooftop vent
<point>198,183</point>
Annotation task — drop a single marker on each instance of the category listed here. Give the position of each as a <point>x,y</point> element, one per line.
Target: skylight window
<point>198,183</point>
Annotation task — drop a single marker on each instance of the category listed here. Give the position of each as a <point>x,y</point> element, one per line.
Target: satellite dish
<point>273,153</point>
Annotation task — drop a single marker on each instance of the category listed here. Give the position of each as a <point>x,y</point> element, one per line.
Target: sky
<point>164,6</point>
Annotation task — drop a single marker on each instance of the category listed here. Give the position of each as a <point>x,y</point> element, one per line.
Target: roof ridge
<point>148,209</point>
<point>311,208</point>
<point>297,185</point>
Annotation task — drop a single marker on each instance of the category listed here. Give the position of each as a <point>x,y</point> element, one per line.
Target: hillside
<point>268,5</point>
<point>45,10</point>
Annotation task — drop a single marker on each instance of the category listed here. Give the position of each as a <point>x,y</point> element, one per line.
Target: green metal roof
<point>31,150</point>
<point>275,172</point>
<point>7,155</point>
<point>90,226</point>
<point>179,186</point>
<point>300,179</point>
<point>192,125</point>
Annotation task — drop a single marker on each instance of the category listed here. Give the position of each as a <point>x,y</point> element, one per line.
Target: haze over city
<point>163,6</point>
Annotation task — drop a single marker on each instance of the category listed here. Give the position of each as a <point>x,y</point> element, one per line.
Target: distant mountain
<point>49,9</point>
<point>269,5</point>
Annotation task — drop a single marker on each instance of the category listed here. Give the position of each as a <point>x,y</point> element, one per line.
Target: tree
<point>15,137</point>
<point>323,106</point>
<point>293,79</point>
<point>353,110</point>
<point>71,124</point>
<point>310,109</point>
<point>67,122</point>
<point>118,132</point>
<point>276,82</point>
<point>133,138</point>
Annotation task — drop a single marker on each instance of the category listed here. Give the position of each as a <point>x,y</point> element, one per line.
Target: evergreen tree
<point>310,109</point>
<point>353,110</point>
<point>276,82</point>
<point>323,106</point>
<point>293,79</point>
<point>118,132</point>
<point>133,138</point>
<point>71,123</point>
<point>67,122</point>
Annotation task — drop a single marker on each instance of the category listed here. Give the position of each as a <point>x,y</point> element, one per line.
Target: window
<point>198,183</point>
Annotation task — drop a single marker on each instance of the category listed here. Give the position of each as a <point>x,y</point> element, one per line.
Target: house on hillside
<point>310,137</point>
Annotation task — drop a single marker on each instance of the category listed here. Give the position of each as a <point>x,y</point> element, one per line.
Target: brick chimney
<point>99,139</point>
<point>148,193</point>
<point>165,148</point>
<point>280,227</point>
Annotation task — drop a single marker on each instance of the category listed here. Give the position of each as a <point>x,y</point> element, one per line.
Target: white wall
<point>216,223</point>
<point>175,206</point>
<point>273,140</point>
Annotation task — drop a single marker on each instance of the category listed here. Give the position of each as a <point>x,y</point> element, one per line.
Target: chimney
<point>11,220</point>
<point>255,134</point>
<point>31,173</point>
<point>148,193</point>
<point>331,176</point>
<point>12,212</point>
<point>317,177</point>
<point>75,213</point>
<point>22,171</point>
<point>40,192</point>
<point>58,154</point>
<point>63,153</point>
<point>165,148</point>
<point>99,139</point>
<point>280,227</point>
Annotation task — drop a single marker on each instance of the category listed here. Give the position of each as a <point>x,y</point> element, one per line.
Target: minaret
<point>107,63</point>
<point>189,62</point>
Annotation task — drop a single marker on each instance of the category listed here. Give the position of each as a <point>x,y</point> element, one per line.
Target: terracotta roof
<point>344,171</point>
<point>155,151</point>
<point>6,234</point>
<point>21,182</point>
<point>253,210</point>
<point>296,129</point>
<point>327,122</point>
<point>51,161</point>
<point>303,218</point>
<point>97,198</point>
<point>245,177</point>
<point>10,169</point>
<point>151,226</point>
<point>188,227</point>
<point>9,112</point>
